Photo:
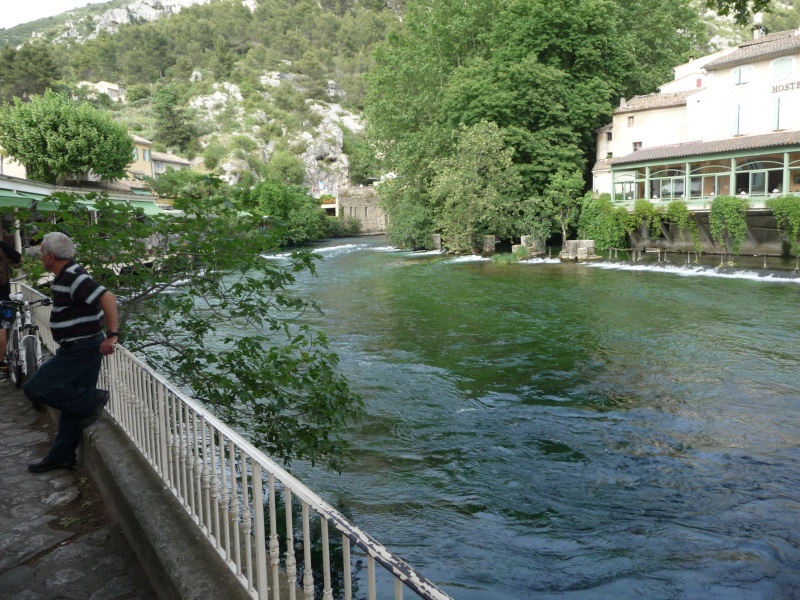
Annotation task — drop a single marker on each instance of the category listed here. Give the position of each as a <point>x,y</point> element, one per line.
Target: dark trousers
<point>68,382</point>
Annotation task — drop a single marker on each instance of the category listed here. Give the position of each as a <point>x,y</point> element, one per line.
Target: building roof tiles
<point>652,101</point>
<point>750,142</point>
<point>769,46</point>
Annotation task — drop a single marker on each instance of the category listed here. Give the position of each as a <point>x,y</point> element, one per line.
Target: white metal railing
<point>246,505</point>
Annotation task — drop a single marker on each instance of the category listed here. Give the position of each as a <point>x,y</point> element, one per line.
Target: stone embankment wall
<point>362,203</point>
<point>763,236</point>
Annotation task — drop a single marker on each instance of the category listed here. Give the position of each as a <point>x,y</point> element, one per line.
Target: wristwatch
<point>111,334</point>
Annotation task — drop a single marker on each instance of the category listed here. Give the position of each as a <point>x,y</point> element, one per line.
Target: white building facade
<point>728,124</point>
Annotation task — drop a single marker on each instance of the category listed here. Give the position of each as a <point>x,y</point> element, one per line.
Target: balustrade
<point>219,479</point>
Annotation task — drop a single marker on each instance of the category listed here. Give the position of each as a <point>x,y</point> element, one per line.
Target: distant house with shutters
<point>163,161</point>
<point>113,90</point>
<point>142,165</point>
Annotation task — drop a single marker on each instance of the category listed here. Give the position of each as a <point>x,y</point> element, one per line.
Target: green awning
<point>148,206</point>
<point>29,201</point>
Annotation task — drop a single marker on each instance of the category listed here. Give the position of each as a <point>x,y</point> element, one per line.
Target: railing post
<point>274,545</point>
<point>291,561</point>
<point>261,544</point>
<point>308,576</point>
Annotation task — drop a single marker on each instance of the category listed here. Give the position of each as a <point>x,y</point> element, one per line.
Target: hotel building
<point>728,124</point>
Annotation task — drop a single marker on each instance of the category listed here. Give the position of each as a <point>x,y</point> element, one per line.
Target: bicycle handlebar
<point>20,302</point>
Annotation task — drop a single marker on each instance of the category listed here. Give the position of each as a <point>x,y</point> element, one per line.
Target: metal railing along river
<point>246,505</point>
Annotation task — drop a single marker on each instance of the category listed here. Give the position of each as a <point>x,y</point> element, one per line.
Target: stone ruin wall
<point>362,203</point>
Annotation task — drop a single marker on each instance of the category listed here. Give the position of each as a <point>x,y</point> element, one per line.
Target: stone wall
<point>362,203</point>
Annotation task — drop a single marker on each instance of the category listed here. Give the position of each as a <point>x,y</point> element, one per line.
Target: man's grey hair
<point>59,245</point>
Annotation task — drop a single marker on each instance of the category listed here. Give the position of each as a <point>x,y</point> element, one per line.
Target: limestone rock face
<point>136,10</point>
<point>225,94</point>
<point>327,167</point>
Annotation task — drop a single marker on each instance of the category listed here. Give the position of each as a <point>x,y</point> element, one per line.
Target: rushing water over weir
<point>548,430</point>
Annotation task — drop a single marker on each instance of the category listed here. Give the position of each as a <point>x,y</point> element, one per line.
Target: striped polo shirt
<point>76,311</point>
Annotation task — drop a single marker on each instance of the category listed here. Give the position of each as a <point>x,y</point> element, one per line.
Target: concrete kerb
<point>176,557</point>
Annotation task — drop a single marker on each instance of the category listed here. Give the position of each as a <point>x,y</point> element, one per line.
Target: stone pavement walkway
<point>57,539</point>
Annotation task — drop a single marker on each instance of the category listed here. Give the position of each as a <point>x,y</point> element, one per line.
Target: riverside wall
<point>362,203</point>
<point>763,236</point>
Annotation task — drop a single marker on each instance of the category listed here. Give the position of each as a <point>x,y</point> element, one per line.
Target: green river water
<point>548,430</point>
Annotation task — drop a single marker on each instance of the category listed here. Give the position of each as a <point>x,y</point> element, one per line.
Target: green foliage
<point>728,222</point>
<point>342,226</point>
<point>137,92</point>
<point>285,167</point>
<point>172,127</point>
<point>563,198</point>
<point>602,222</point>
<point>649,215</point>
<point>363,164</point>
<point>213,154</point>
<point>233,336</point>
<point>656,43</point>
<point>184,183</point>
<point>27,71</point>
<point>410,222</point>
<point>678,214</point>
<point>299,214</point>
<point>742,11</point>
<point>476,189</point>
<point>786,210</point>
<point>54,137</point>
<point>242,142</point>
<point>782,17</point>
<point>547,74</point>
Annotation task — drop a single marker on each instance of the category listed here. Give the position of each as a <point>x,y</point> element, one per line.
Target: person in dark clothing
<point>68,381</point>
<point>8,257</point>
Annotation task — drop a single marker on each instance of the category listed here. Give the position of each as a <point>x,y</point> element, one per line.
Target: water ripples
<point>570,431</point>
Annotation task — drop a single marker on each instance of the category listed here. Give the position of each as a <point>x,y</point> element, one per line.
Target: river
<point>548,430</point>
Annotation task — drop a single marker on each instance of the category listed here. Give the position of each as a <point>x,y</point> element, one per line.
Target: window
<point>736,120</point>
<point>782,67</point>
<point>741,75</point>
<point>146,155</point>
<point>637,146</point>
<point>135,154</point>
<point>608,136</point>
<point>630,121</point>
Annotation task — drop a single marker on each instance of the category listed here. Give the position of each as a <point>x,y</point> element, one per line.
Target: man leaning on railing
<point>68,381</point>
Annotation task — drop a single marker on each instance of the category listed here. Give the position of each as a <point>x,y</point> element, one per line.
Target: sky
<point>15,12</point>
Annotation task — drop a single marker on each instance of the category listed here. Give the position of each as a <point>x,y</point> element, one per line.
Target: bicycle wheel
<point>14,362</point>
<point>30,344</point>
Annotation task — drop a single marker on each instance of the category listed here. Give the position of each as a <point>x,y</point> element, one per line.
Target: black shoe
<point>93,418</point>
<point>47,464</point>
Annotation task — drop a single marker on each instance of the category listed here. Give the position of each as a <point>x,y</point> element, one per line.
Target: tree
<point>172,127</point>
<point>233,335</point>
<point>286,168</point>
<point>666,33</point>
<point>476,189</point>
<point>27,71</point>
<point>55,137</point>
<point>563,200</point>
<point>299,215</point>
<point>547,74</point>
<point>742,10</point>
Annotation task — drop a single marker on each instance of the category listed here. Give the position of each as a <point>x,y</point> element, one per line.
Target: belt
<point>91,338</point>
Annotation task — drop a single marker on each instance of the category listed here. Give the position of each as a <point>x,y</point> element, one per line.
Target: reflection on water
<point>548,430</point>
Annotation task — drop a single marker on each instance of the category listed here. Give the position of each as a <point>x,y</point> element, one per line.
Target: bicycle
<point>24,349</point>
